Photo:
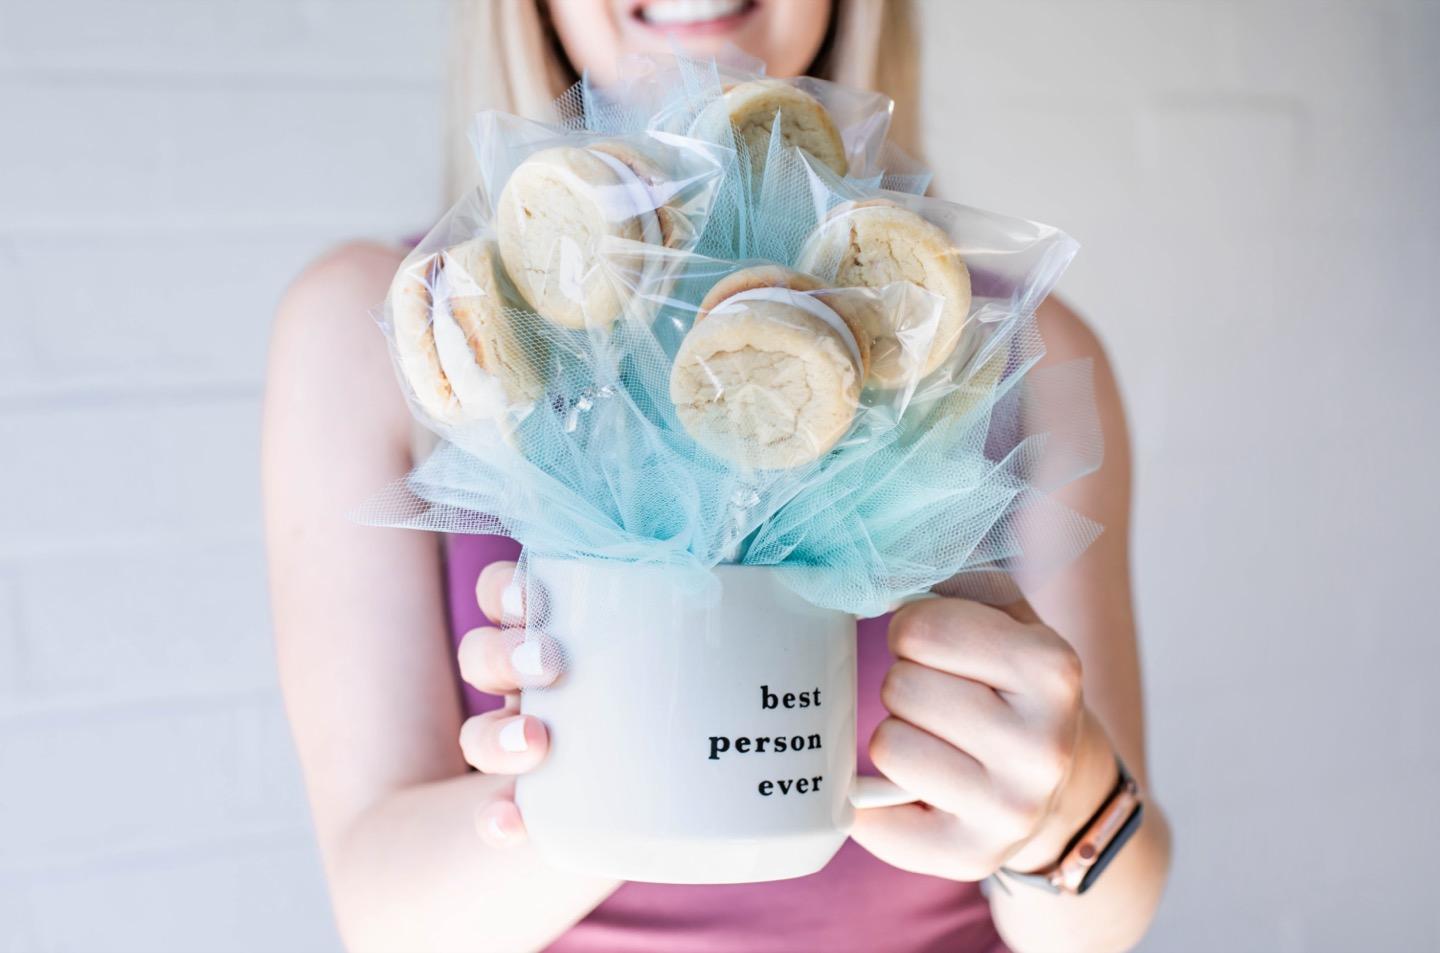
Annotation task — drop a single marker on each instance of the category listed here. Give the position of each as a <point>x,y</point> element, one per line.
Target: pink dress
<point>857,903</point>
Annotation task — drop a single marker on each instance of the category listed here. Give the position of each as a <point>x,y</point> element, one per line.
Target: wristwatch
<point>1091,850</point>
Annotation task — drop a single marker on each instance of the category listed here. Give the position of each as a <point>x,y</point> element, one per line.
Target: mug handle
<point>868,792</point>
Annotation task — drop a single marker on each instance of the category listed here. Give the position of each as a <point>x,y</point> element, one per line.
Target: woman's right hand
<point>501,661</point>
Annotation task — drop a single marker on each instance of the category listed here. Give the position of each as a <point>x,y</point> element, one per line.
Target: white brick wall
<point>169,165</point>
<point>1254,184</point>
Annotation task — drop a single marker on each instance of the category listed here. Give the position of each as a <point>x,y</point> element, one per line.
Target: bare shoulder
<point>329,364</point>
<point>1067,335</point>
<point>340,289</point>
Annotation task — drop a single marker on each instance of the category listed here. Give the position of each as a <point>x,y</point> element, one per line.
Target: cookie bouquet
<point>701,320</point>
<point>702,344</point>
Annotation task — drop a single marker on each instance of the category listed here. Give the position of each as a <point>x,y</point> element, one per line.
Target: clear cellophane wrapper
<point>569,436</point>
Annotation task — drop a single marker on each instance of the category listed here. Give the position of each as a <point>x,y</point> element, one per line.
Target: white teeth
<point>685,12</point>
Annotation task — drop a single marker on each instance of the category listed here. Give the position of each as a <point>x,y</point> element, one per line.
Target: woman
<point>1009,727</point>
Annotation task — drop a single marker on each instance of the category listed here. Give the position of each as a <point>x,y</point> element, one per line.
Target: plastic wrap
<point>481,312</point>
<point>627,394</point>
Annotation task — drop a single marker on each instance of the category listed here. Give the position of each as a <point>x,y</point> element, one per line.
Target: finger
<point>960,711</point>
<point>996,813</point>
<point>501,742</point>
<point>500,661</point>
<point>497,593</point>
<point>970,639</point>
<point>919,838</point>
<point>499,824</point>
<point>935,771</point>
<point>1021,611</point>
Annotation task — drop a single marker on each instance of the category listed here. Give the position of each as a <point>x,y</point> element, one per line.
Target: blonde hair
<point>507,56</point>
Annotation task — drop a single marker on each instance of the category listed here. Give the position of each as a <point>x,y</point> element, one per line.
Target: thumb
<point>1021,611</point>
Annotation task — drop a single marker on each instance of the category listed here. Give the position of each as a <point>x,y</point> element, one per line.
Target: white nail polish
<point>497,832</point>
<point>525,658</point>
<point>512,736</point>
<point>512,604</point>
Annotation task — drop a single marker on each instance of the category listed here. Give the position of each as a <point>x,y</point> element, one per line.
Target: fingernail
<point>525,658</point>
<point>511,602</point>
<point>491,825</point>
<point>512,736</point>
<point>496,830</point>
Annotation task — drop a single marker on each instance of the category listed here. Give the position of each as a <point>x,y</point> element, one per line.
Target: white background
<point>1255,185</point>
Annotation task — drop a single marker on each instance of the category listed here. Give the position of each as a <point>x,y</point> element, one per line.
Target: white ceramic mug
<point>692,741</point>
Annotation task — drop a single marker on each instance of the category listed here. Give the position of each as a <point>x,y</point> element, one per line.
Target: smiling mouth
<point>693,16</point>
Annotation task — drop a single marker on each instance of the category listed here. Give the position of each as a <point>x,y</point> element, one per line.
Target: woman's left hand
<point>989,729</point>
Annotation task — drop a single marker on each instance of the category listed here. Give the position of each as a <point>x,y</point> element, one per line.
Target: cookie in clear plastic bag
<point>870,244</point>
<point>455,338</point>
<point>769,375</point>
<point>558,193</point>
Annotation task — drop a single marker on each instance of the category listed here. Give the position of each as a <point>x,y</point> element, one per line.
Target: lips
<point>686,15</point>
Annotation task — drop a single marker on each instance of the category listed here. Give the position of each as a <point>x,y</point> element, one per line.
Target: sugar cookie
<point>769,376</point>
<point>871,244</point>
<point>552,215</point>
<point>489,364</point>
<point>676,228</point>
<point>413,335</point>
<point>751,108</point>
<point>457,347</point>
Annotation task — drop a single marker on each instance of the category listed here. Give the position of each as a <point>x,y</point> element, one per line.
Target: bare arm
<point>1090,605</point>
<point>365,665</point>
<point>1006,722</point>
